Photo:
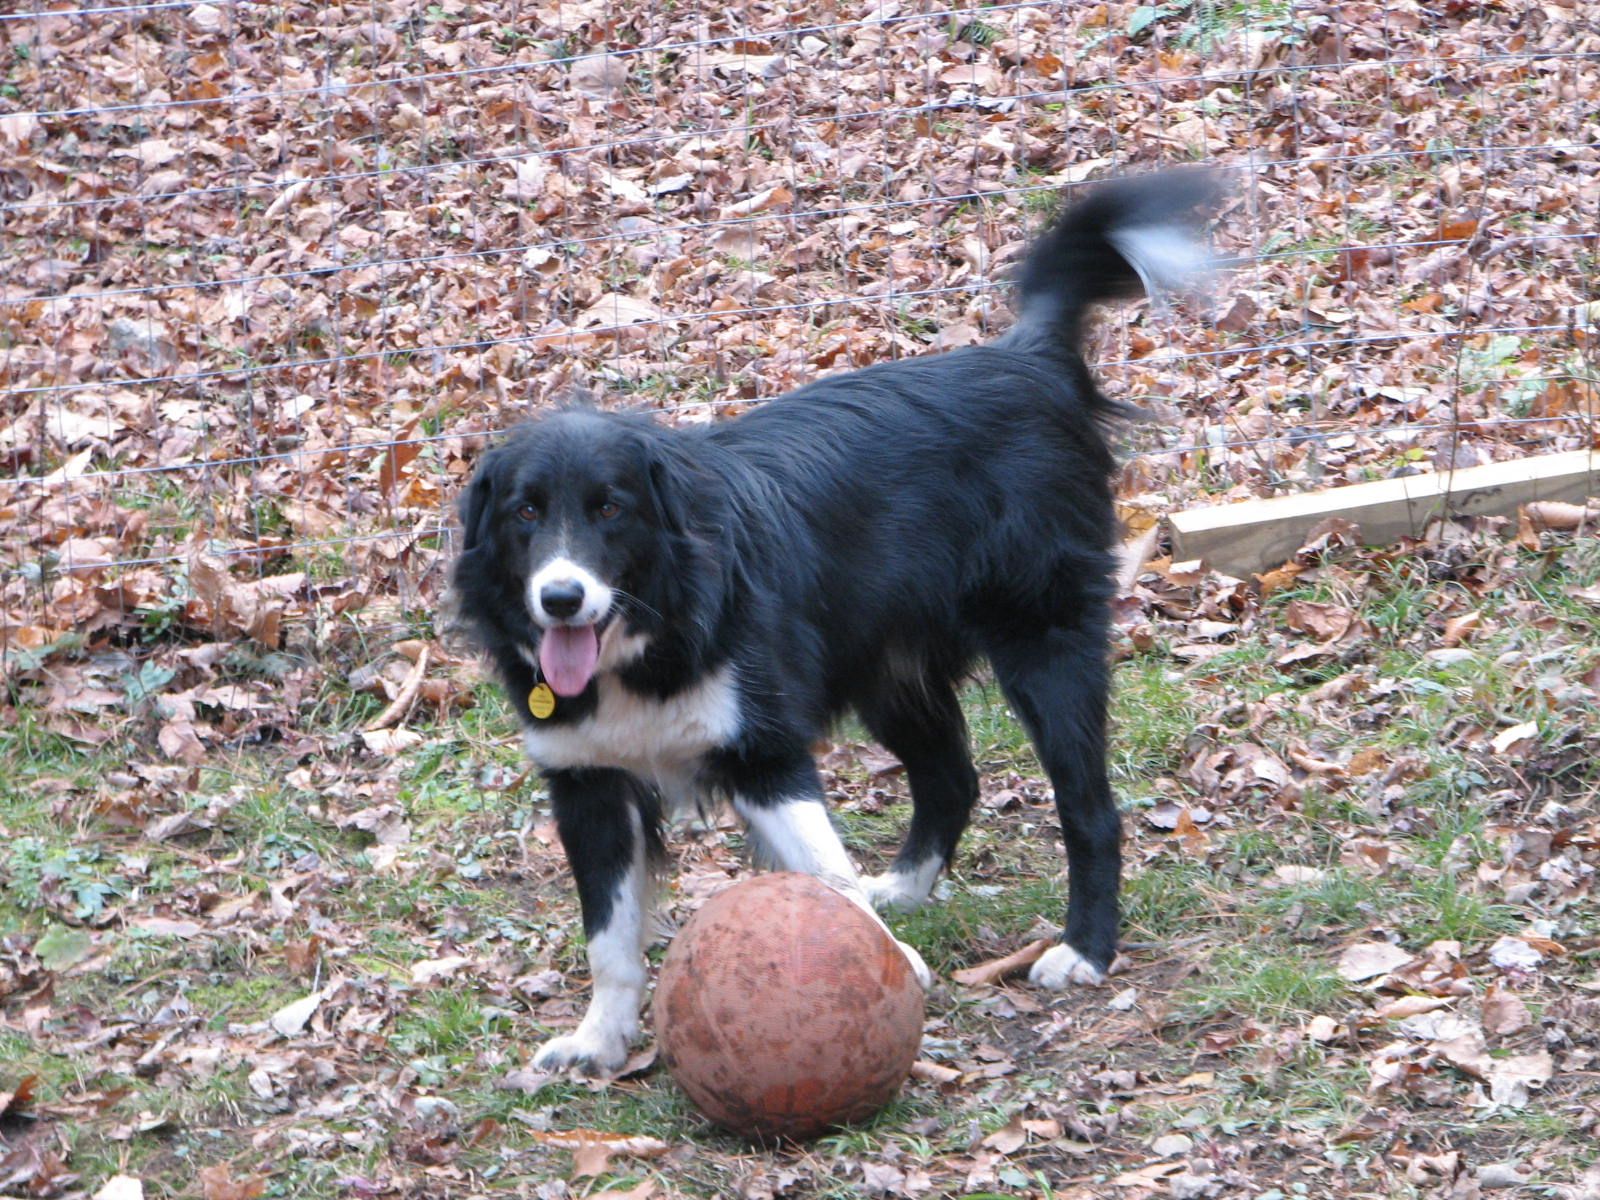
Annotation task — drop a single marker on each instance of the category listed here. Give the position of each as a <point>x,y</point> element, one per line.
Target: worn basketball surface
<point>783,1009</point>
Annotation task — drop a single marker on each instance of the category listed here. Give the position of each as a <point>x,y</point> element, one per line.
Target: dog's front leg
<point>605,822</point>
<point>790,827</point>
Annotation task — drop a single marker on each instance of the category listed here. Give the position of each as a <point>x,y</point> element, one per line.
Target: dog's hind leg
<point>1058,680</point>
<point>924,728</point>
<point>788,820</point>
<point>608,826</point>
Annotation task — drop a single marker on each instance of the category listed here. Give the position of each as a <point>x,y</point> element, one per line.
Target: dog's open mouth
<point>567,656</point>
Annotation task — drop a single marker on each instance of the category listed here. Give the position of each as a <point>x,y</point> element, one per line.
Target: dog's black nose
<point>563,598</point>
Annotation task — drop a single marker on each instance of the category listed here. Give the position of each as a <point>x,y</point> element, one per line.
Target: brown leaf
<point>430,969</point>
<point>1179,574</point>
<point>1516,739</point>
<point>175,825</point>
<point>1148,1177</point>
<point>390,742</point>
<point>1411,1006</point>
<point>397,457</point>
<point>1504,1013</point>
<point>615,311</point>
<point>292,1017</point>
<point>1460,629</point>
<point>179,740</point>
<point>1239,314</point>
<point>1368,960</point>
<point>934,1073</point>
<point>1010,1138</point>
<point>1193,839</point>
<point>1511,1079</point>
<point>1325,622</point>
<point>772,197</point>
<point>1279,578</point>
<point>17,1098</point>
<point>400,706</point>
<point>217,1183</point>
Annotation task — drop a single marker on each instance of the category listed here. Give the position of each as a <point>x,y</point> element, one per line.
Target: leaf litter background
<point>277,273</point>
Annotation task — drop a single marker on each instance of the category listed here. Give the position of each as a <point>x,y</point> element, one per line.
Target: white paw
<point>902,889</point>
<point>891,891</point>
<point>587,1053</point>
<point>918,967</point>
<point>1061,965</point>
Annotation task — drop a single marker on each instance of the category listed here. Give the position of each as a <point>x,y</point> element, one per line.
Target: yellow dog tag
<point>541,701</point>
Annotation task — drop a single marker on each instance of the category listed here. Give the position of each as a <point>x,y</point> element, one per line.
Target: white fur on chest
<point>652,738</point>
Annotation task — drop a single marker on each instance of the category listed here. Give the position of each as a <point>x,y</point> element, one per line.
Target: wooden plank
<point>1256,535</point>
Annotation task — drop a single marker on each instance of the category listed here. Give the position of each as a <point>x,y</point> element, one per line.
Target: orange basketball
<point>783,1009</point>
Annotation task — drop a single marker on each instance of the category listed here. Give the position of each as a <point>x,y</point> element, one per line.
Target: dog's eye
<point>528,512</point>
<point>609,510</point>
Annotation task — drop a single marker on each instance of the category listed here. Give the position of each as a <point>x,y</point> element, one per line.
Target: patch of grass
<point>34,756</point>
<point>238,999</point>
<point>1253,977</point>
<point>1341,899</point>
<point>1151,716</point>
<point>1444,906</point>
<point>274,829</point>
<point>997,735</point>
<point>1165,904</point>
<point>658,1110</point>
<point>1312,1090</point>
<point>450,1023</point>
<point>983,917</point>
<point>23,1056</point>
<point>886,1127</point>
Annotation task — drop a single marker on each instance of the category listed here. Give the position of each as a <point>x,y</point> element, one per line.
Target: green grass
<point>1152,715</point>
<point>1276,980</point>
<point>1175,902</point>
<point>946,933</point>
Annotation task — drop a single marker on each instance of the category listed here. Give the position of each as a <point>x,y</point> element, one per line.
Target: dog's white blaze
<point>652,738</point>
<point>617,969</point>
<point>597,596</point>
<point>1061,965</point>
<point>796,835</point>
<point>904,889</point>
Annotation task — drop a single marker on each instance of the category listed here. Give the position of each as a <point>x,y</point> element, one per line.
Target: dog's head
<point>570,526</point>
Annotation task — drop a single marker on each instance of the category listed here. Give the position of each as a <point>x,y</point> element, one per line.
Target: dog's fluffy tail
<point>1128,237</point>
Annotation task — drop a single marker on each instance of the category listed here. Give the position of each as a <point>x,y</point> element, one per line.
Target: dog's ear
<point>669,489</point>
<point>476,504</point>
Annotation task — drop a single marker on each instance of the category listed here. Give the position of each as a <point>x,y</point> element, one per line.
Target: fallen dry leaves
<point>269,291</point>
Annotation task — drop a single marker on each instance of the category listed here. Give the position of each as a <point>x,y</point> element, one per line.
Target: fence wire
<point>274,274</point>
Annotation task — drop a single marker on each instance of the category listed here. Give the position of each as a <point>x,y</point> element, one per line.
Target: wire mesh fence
<point>274,274</point>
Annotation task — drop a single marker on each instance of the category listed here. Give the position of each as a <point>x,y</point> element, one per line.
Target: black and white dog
<point>679,613</point>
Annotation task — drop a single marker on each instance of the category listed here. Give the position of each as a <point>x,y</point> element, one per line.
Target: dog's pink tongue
<point>567,655</point>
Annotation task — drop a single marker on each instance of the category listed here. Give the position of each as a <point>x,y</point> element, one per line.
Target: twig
<point>405,698</point>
